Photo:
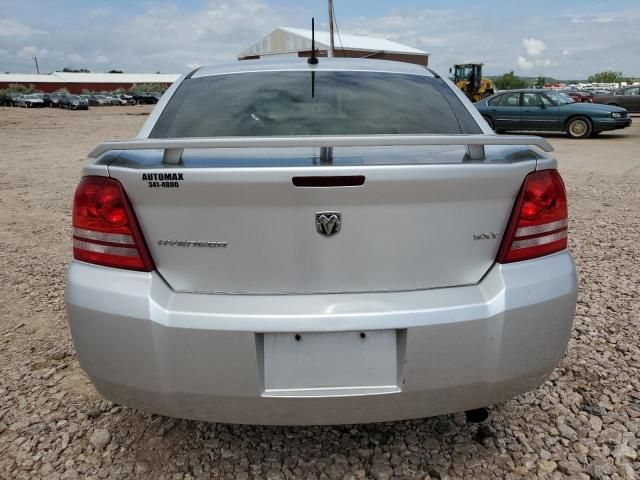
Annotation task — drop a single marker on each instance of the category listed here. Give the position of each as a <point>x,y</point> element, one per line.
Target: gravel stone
<point>100,438</point>
<point>380,471</point>
<point>431,444</point>
<point>600,469</point>
<point>624,454</point>
<point>505,461</point>
<point>610,436</point>
<point>569,467</point>
<point>141,468</point>
<point>595,423</point>
<point>627,472</point>
<point>546,467</point>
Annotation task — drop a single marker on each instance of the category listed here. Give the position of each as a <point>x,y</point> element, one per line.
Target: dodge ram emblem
<point>328,224</point>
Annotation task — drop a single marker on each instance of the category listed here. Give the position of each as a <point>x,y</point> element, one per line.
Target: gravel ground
<point>583,422</point>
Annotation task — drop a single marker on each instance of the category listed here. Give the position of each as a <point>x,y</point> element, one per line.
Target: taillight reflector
<point>105,230</point>
<point>539,221</point>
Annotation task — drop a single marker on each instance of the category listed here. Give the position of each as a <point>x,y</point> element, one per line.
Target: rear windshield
<point>318,103</point>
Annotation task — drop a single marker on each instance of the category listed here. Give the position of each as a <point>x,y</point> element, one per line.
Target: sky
<point>568,39</point>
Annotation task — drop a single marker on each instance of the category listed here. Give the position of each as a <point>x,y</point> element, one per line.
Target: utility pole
<point>37,68</point>
<point>330,52</point>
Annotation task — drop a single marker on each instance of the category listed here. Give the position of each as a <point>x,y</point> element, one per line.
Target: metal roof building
<point>77,82</point>
<point>297,42</point>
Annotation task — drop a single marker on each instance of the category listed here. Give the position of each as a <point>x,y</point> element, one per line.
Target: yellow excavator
<point>468,78</point>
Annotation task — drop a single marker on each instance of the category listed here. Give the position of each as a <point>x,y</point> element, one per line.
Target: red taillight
<point>105,230</point>
<point>539,221</point>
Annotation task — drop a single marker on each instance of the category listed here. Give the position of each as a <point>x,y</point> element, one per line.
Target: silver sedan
<point>290,243</point>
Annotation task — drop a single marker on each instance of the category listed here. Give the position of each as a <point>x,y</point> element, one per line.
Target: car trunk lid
<point>407,219</point>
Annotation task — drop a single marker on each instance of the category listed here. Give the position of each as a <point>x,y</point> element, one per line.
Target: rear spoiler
<point>173,147</point>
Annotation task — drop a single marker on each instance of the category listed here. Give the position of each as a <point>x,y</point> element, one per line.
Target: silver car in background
<point>30,100</point>
<point>347,242</point>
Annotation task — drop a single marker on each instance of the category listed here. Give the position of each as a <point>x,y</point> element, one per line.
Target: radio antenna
<point>313,60</point>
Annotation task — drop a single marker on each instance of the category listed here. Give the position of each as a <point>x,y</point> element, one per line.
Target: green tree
<point>608,76</point>
<point>540,82</point>
<point>509,81</point>
<point>14,88</point>
<point>75,70</point>
<point>19,88</point>
<point>115,71</point>
<point>148,87</point>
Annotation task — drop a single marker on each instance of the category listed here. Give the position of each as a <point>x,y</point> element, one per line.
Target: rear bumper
<point>202,356</point>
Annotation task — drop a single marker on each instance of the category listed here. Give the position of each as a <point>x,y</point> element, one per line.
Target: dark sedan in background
<point>53,99</point>
<point>14,98</point>
<point>5,100</point>
<point>74,102</point>
<point>628,98</point>
<point>549,111</point>
<point>145,98</point>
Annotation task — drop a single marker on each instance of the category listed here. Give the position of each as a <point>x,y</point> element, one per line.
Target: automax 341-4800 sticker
<point>163,180</point>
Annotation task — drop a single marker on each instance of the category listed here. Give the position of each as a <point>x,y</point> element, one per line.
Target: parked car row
<point>597,91</point>
<point>77,102</point>
<point>14,99</point>
<point>134,98</point>
<point>102,99</point>
<point>627,97</point>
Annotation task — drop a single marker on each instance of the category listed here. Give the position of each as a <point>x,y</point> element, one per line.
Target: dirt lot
<point>583,422</point>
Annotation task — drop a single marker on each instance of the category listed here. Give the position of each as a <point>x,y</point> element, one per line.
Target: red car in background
<point>578,96</point>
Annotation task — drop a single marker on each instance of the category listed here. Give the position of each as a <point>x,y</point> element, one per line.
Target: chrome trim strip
<point>103,237</point>
<point>96,247</point>
<point>536,242</point>
<point>319,141</point>
<point>545,227</point>
<point>329,392</point>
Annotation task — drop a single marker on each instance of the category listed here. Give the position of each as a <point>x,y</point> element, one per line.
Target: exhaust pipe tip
<point>477,415</point>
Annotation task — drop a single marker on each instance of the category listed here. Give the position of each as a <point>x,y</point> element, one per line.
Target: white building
<point>297,42</point>
<point>77,82</point>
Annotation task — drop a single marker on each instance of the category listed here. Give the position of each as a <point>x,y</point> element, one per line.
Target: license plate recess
<point>330,364</point>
